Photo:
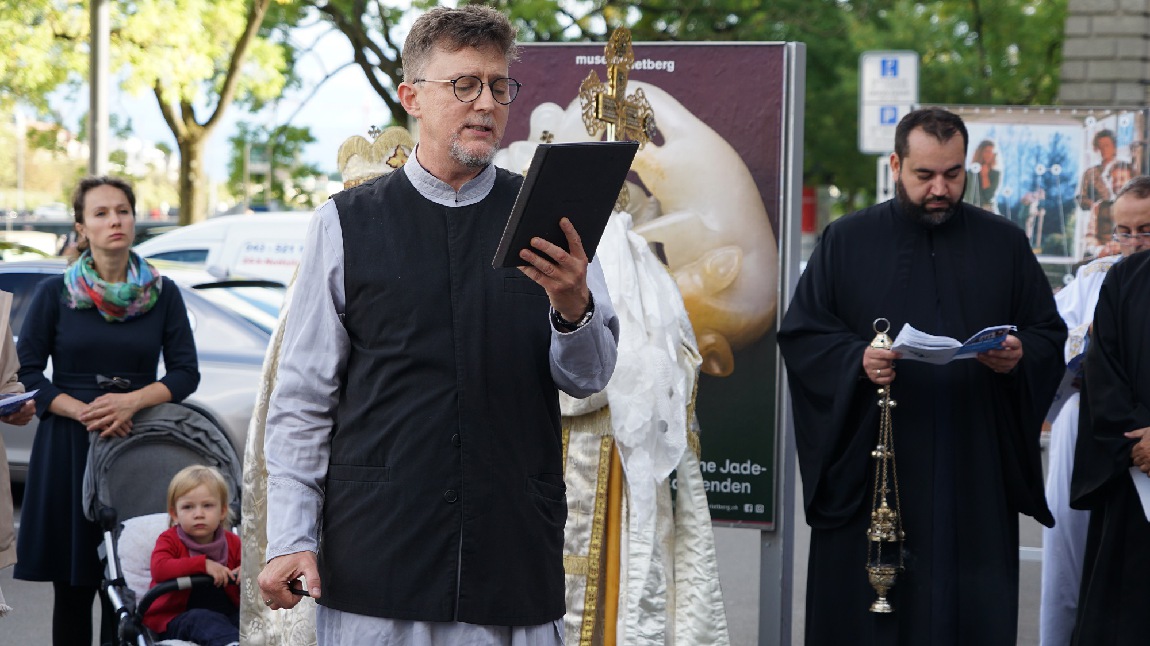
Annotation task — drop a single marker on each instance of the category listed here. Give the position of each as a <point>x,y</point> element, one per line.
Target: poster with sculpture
<point>706,192</point>
<point>1054,172</point>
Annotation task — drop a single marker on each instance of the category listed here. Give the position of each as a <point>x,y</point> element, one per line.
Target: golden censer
<point>885,535</point>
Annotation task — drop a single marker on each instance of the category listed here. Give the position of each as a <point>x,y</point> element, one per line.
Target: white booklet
<point>11,403</point>
<point>920,346</point>
<point>1142,486</point>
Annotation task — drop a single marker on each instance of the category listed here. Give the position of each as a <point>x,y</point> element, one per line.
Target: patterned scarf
<point>117,302</point>
<point>216,550</point>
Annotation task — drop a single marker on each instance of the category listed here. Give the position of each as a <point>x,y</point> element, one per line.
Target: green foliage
<point>187,49</point>
<point>197,57</point>
<point>43,49</point>
<point>996,52</point>
<point>1004,52</point>
<point>368,28</point>
<point>283,146</point>
<point>120,126</point>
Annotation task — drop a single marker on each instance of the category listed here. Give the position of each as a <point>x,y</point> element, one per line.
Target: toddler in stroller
<point>198,543</point>
<point>126,479</point>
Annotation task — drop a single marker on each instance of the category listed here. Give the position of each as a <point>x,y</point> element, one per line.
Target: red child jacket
<point>170,560</point>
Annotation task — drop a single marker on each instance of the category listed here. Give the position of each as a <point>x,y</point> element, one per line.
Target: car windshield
<point>258,304</point>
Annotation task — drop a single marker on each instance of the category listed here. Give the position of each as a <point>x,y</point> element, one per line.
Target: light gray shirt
<point>314,353</point>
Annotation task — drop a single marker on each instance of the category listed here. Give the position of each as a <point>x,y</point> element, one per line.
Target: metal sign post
<point>884,180</point>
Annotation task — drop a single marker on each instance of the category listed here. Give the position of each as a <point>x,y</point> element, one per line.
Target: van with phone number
<point>260,245</point>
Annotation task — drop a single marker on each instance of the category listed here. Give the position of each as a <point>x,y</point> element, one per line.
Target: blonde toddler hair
<point>191,477</point>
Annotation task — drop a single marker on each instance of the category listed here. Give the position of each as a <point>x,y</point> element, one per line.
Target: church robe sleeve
<point>1110,405</point>
<point>831,400</point>
<point>1023,397</point>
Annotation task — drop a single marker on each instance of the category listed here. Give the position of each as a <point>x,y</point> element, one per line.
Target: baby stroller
<point>125,491</point>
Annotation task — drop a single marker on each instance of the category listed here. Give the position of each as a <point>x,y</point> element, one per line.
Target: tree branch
<point>256,13</point>
<point>169,114</point>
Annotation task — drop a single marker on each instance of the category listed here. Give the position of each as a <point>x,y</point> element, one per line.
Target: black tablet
<point>579,181</point>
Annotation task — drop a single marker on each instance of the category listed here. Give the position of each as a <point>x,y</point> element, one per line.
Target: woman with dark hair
<point>104,324</point>
<point>983,177</point>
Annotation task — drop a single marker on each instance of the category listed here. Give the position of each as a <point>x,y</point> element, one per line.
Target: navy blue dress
<point>56,542</point>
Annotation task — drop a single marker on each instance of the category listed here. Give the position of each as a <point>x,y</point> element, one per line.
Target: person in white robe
<point>1063,545</point>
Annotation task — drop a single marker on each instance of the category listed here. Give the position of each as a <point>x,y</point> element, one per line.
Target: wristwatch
<point>567,326</point>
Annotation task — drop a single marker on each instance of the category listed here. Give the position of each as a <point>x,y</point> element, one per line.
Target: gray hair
<point>1139,187</point>
<point>475,26</point>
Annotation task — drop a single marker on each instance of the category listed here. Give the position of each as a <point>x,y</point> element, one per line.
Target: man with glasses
<point>414,452</point>
<point>1090,555</point>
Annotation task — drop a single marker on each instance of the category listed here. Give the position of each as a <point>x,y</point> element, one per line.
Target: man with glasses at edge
<point>413,445</point>
<point>1072,563</point>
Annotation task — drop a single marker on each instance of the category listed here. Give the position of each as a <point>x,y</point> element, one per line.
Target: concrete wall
<point>1106,57</point>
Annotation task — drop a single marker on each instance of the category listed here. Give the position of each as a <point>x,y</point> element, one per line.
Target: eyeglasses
<point>1125,238</point>
<point>468,88</point>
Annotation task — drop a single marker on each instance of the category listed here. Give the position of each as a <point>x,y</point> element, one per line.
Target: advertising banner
<point>713,170</point>
<point>1054,172</point>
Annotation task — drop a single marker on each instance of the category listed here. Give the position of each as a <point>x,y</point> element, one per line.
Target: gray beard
<point>470,159</point>
<point>920,213</point>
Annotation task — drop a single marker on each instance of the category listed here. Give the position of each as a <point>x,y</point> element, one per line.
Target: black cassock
<point>1115,593</point>
<point>966,438</point>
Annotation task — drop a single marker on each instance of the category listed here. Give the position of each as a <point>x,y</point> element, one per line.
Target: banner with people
<point>1054,172</point>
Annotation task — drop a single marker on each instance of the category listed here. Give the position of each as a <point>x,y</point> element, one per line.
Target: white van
<point>259,245</point>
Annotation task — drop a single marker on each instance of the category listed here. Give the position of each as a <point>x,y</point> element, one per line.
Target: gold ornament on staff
<point>608,107</point>
<point>885,535</point>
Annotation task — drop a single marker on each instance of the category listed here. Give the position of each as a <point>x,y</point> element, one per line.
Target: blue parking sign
<point>888,115</point>
<point>890,67</point>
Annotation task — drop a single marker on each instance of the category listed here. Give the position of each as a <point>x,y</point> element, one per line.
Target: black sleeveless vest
<point>444,498</point>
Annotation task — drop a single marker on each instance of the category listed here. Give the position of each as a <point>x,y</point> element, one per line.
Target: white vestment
<point>1064,545</point>
<point>668,573</point>
<point>260,626</point>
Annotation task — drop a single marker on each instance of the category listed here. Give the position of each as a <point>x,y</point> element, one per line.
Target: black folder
<point>578,181</point>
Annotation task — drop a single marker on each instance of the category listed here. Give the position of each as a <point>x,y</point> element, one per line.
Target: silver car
<point>232,322</point>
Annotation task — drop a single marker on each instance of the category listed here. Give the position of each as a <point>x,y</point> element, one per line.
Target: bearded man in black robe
<point>1113,436</point>
<point>966,434</point>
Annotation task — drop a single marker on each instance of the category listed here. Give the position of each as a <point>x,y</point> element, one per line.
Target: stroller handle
<point>181,583</point>
<point>107,519</point>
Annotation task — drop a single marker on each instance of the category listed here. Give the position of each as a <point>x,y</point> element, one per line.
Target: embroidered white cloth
<point>668,580</point>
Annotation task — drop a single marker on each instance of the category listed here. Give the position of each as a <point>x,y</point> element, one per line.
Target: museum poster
<point>713,169</point>
<point>1054,172</point>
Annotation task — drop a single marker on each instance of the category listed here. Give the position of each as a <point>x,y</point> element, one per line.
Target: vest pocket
<point>549,486</point>
<point>522,285</point>
<point>357,473</point>
<point>548,495</point>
